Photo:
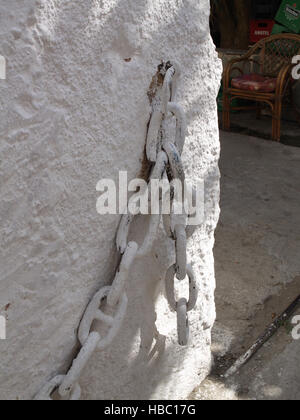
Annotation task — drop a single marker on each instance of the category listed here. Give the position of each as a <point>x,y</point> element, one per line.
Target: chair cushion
<point>254,82</point>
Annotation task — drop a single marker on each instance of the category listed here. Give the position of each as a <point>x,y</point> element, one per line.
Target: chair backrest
<point>277,51</point>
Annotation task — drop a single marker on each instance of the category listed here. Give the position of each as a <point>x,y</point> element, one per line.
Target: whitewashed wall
<point>74,111</point>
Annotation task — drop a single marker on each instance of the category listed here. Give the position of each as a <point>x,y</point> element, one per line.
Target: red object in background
<point>260,29</point>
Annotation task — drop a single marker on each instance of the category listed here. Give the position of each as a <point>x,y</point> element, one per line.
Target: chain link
<point>166,159</point>
<point>71,379</point>
<point>180,247</point>
<point>170,288</point>
<point>175,227</point>
<point>183,327</point>
<point>49,388</point>
<point>154,127</point>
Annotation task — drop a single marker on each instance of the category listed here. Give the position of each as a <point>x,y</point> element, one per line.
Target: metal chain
<point>166,158</point>
<point>176,224</point>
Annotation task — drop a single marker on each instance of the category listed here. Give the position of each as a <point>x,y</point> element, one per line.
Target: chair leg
<point>279,121</point>
<point>276,123</point>
<point>258,110</point>
<point>274,126</point>
<point>226,112</point>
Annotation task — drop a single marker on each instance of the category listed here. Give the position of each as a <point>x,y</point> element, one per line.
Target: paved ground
<point>257,268</point>
<point>247,123</point>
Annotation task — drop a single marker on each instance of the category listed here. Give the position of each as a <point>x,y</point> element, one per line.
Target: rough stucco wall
<point>74,111</point>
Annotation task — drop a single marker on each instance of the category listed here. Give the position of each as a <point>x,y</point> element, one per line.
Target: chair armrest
<point>228,70</point>
<point>244,59</point>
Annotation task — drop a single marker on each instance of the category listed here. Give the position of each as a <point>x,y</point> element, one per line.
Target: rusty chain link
<point>167,164</point>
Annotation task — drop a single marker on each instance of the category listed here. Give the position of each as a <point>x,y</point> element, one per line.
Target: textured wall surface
<point>74,110</point>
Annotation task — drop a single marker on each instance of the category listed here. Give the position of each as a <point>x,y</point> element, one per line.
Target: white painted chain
<point>182,306</point>
<point>166,157</point>
<point>176,224</point>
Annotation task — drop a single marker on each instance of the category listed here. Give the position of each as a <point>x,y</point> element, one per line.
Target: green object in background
<point>289,15</point>
<point>279,29</point>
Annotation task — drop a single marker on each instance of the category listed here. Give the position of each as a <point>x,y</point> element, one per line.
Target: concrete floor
<point>247,123</point>
<point>257,269</point>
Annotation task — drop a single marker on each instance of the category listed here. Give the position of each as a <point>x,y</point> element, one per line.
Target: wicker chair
<point>270,57</point>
